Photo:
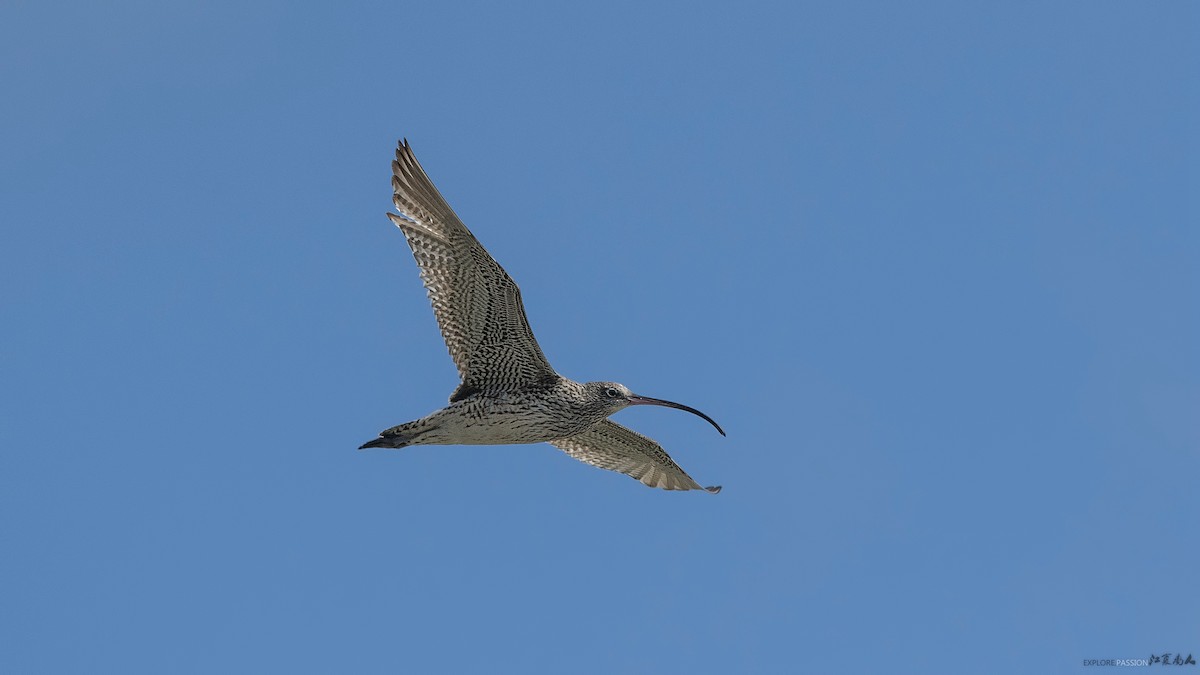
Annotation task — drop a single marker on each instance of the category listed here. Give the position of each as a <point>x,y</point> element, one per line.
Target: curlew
<point>509,393</point>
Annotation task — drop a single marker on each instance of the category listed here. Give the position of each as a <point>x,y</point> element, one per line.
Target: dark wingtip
<point>713,489</point>
<point>373,443</point>
<point>402,149</point>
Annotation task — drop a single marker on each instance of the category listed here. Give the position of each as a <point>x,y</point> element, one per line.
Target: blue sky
<point>934,268</point>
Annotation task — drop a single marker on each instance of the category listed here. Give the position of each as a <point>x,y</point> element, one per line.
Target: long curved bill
<point>646,400</point>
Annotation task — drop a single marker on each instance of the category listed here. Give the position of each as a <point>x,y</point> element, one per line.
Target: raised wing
<point>478,306</point>
<point>611,446</point>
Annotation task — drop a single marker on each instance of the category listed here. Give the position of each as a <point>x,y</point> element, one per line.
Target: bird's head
<point>614,396</point>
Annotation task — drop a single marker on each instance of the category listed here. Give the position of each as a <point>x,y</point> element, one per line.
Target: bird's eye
<point>611,392</point>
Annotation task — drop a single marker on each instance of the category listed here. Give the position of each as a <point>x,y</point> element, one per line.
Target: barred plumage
<point>509,393</point>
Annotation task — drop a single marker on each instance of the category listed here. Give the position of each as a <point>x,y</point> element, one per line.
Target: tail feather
<point>397,437</point>
<point>382,442</point>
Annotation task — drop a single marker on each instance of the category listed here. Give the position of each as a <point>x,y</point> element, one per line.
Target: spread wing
<point>611,446</point>
<point>478,306</point>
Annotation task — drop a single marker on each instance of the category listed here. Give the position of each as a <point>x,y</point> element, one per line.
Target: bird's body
<point>502,417</point>
<point>509,394</point>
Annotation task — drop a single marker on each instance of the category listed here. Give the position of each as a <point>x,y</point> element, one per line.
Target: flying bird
<point>509,393</point>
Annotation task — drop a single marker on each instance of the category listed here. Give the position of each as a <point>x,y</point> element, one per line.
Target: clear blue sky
<point>934,268</point>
